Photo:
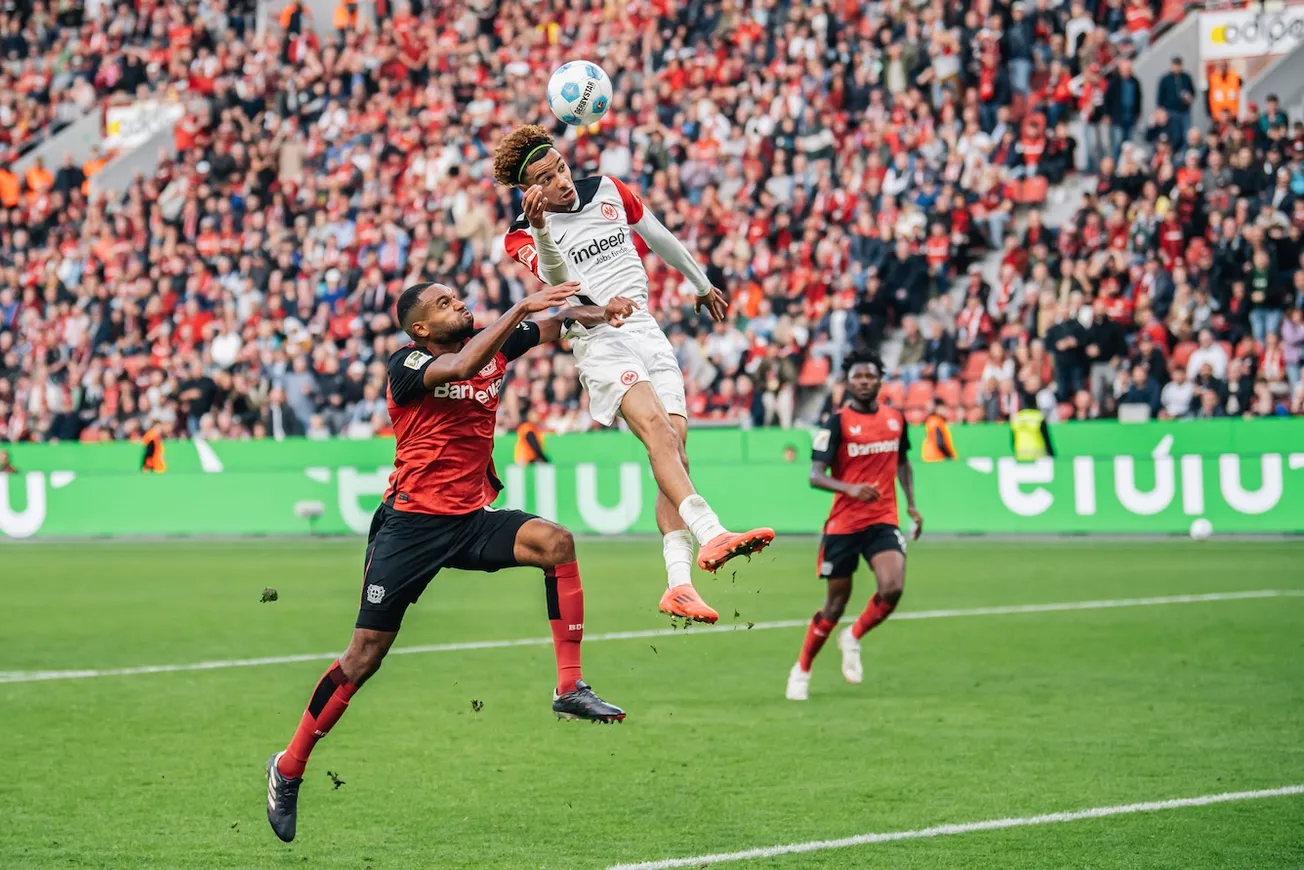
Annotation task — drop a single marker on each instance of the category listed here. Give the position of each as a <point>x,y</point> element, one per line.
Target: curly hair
<point>859,357</point>
<point>519,147</point>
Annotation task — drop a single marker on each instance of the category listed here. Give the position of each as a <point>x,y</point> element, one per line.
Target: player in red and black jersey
<point>859,454</point>
<point>443,397</point>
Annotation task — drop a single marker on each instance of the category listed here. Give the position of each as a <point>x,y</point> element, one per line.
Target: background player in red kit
<point>443,397</point>
<point>859,454</point>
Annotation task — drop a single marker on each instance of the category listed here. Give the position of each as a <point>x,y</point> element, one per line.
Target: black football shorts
<point>839,554</point>
<point>405,550</point>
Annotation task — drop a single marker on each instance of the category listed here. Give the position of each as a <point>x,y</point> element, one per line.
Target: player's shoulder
<point>409,356</point>
<point>587,189</point>
<point>519,225</point>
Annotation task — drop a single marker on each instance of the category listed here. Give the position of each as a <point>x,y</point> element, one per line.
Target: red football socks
<point>566,616</point>
<point>328,703</point>
<point>875,612</point>
<point>816,633</point>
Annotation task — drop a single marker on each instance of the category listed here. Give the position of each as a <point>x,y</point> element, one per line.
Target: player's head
<point>864,374</point>
<point>526,157</point>
<point>434,314</point>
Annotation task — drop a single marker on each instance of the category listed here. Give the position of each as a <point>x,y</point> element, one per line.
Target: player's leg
<point>402,555</point>
<point>837,562</point>
<point>507,539</point>
<point>677,545</point>
<point>885,551</point>
<point>648,420</point>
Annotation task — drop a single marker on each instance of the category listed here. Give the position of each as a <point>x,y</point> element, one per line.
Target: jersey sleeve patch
<point>416,359</point>
<point>520,247</point>
<point>407,372</point>
<point>824,446</point>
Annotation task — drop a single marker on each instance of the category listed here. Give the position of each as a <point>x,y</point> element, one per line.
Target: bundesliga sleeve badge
<point>416,359</point>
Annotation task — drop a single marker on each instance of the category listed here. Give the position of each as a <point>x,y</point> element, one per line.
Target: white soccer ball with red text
<point>579,92</point>
<point>1201,529</point>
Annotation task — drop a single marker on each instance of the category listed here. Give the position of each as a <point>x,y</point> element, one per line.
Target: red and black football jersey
<point>863,448</point>
<point>444,438</point>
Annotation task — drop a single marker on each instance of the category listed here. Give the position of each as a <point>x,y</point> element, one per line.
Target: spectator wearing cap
<point>1176,95</point>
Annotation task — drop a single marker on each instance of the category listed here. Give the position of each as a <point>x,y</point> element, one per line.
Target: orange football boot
<point>722,548</point>
<point>684,601</point>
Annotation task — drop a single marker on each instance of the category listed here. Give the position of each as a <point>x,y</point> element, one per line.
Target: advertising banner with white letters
<point>128,127</point>
<point>1106,478</point>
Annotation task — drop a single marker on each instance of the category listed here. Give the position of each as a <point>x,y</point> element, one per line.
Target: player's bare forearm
<point>477,352</point>
<point>906,474</point>
<point>820,479</point>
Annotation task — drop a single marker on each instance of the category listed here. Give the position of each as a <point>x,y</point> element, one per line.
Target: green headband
<point>520,173</point>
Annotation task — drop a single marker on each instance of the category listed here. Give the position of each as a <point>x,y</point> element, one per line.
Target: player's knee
<point>363,658</point>
<point>559,547</point>
<point>834,608</point>
<point>890,589</point>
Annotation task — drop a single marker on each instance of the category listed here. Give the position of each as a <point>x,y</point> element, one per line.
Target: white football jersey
<point>597,242</point>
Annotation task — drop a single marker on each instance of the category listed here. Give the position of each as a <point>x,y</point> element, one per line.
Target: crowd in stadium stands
<point>842,167</point>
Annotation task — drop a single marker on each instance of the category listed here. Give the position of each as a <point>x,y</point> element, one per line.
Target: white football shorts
<point>614,360</point>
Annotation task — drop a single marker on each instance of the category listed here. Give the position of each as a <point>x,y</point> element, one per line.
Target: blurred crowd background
<point>854,175</point>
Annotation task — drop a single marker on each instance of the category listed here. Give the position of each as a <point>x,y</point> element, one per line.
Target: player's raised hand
<point>715,303</point>
<point>618,309</point>
<point>866,492</point>
<point>550,297</point>
<point>533,204</point>
<point>918,520</point>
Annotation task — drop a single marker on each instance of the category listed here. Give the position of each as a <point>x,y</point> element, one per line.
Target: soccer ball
<point>579,92</point>
<point>1201,529</point>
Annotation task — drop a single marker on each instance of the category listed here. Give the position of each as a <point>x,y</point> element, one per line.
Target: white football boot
<point>852,670</point>
<point>798,684</point>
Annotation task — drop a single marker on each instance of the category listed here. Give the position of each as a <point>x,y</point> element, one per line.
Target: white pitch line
<point>1005,610</point>
<point>965,828</point>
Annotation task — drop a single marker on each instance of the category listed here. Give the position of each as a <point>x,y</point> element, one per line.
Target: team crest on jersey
<point>628,378</point>
<point>893,424</point>
<point>416,359</point>
<point>489,369</point>
<point>609,211</point>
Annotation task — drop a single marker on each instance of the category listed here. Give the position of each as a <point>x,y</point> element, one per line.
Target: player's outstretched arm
<point>484,345</point>
<point>614,313</point>
<point>664,244</point>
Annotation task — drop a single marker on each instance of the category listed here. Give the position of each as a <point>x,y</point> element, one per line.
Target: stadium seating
<point>260,266</point>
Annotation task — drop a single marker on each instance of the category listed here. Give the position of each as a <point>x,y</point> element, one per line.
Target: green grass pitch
<point>961,719</point>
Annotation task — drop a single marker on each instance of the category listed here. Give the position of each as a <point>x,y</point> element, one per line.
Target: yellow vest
<point>1028,443</point>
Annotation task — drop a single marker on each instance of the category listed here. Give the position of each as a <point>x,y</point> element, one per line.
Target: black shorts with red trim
<point>840,554</point>
<point>405,550</point>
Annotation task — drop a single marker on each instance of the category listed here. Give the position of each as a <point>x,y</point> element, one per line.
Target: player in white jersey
<point>585,230</point>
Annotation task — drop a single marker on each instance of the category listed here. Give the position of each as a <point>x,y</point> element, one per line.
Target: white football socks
<point>703,522</point>
<point>678,549</point>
